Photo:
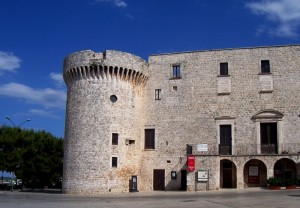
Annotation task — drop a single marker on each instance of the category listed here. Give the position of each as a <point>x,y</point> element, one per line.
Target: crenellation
<point>242,127</point>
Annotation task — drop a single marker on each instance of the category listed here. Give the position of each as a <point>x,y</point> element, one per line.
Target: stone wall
<point>191,107</point>
<point>189,110</point>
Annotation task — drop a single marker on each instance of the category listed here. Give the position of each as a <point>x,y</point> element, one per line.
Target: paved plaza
<point>224,198</point>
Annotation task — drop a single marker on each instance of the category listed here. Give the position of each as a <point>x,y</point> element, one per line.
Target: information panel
<point>202,175</point>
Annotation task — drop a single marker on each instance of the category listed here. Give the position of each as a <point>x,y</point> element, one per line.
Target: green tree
<point>34,156</point>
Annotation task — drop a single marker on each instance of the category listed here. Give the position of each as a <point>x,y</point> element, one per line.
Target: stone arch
<point>96,72</point>
<point>133,76</point>
<point>125,73</point>
<point>105,70</point>
<point>101,73</point>
<point>82,72</point>
<point>255,173</point>
<point>228,174</point>
<point>116,72</point>
<point>141,78</point>
<point>129,74</point>
<point>111,72</point>
<point>72,74</point>
<point>86,72</point>
<point>78,72</point>
<point>91,72</point>
<point>285,168</point>
<point>268,114</point>
<point>121,73</point>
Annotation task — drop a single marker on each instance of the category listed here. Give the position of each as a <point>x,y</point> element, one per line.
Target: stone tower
<point>198,120</point>
<point>104,106</point>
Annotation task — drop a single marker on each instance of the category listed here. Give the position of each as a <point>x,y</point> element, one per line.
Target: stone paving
<point>224,198</point>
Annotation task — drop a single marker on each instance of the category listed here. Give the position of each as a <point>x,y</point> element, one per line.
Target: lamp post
<point>8,118</point>
<point>1,149</point>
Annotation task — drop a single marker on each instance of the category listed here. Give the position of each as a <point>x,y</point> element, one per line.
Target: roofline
<point>224,49</point>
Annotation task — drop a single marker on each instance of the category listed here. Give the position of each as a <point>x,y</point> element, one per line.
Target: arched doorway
<point>255,173</point>
<point>286,169</point>
<point>228,174</point>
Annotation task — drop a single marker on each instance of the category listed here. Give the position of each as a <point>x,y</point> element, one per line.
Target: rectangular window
<point>265,66</point>
<point>115,138</point>
<point>225,140</point>
<point>176,71</point>
<point>224,68</point>
<point>149,138</point>
<point>157,94</point>
<point>114,162</point>
<point>189,149</point>
<point>268,136</point>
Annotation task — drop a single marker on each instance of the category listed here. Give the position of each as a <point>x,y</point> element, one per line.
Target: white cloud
<point>43,113</point>
<point>58,78</point>
<point>9,62</point>
<point>47,97</point>
<point>117,3</point>
<point>285,13</point>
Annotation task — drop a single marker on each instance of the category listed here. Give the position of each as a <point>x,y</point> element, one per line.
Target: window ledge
<point>267,91</point>
<point>223,76</point>
<point>149,149</point>
<point>265,73</point>
<point>174,78</point>
<point>223,93</point>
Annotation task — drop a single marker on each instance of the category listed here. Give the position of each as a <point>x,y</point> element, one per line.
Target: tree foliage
<point>36,157</point>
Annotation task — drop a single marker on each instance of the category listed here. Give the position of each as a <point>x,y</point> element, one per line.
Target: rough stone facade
<point>236,110</point>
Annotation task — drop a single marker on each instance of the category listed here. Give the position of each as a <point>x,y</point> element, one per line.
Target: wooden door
<point>158,179</point>
<point>225,139</point>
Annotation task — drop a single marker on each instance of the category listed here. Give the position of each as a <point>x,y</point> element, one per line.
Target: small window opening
<point>157,94</point>
<point>114,162</point>
<point>115,138</point>
<point>129,141</point>
<point>224,68</point>
<point>173,174</point>
<point>149,138</point>
<point>265,66</point>
<point>176,71</point>
<point>174,88</point>
<point>189,149</point>
<point>113,98</point>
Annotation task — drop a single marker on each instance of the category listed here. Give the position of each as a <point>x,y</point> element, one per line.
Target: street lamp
<point>1,149</point>
<point>7,117</point>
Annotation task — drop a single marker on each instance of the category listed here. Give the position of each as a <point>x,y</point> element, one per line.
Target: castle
<point>199,120</point>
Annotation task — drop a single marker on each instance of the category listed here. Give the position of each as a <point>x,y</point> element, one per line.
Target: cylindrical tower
<point>103,119</point>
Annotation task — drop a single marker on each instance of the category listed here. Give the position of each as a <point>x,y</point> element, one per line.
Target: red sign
<point>191,163</point>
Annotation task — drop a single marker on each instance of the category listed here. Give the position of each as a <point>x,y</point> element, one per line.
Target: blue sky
<point>36,35</point>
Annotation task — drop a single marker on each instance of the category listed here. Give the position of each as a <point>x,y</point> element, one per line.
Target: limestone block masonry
<point>236,110</point>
